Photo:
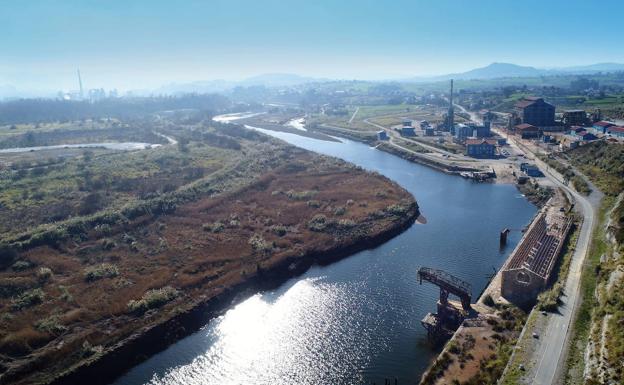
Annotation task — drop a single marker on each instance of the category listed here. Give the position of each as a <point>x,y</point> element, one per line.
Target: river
<point>121,146</point>
<point>357,320</point>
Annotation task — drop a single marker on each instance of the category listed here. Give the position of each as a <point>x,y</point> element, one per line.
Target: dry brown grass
<point>174,250</point>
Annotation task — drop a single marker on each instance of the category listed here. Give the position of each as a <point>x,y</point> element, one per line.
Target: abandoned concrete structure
<point>529,270</point>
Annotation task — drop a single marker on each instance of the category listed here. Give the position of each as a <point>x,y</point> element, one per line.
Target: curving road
<point>550,356</point>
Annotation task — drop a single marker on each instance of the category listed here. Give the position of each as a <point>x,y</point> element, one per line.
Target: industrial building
<point>601,127</point>
<point>530,267</point>
<point>574,118</point>
<point>472,130</point>
<point>462,132</point>
<point>531,170</point>
<point>616,131</point>
<point>535,111</point>
<point>408,131</point>
<point>527,131</point>
<point>481,148</point>
<point>382,135</point>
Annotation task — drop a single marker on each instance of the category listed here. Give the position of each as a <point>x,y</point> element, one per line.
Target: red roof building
<point>526,131</point>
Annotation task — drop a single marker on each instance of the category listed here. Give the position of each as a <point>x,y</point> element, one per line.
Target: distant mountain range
<point>492,71</point>
<point>508,70</point>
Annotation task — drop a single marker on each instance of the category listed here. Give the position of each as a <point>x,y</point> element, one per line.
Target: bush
<point>28,299</point>
<point>152,299</point>
<point>279,230</point>
<point>346,224</point>
<point>108,244</point>
<point>216,227</point>
<point>21,265</point>
<point>317,223</point>
<point>341,210</point>
<point>44,274</point>
<point>580,185</point>
<point>105,270</point>
<point>301,195</point>
<point>397,209</point>
<point>259,244</point>
<point>50,325</point>
<point>488,300</point>
<point>65,294</point>
<point>314,204</point>
<point>14,286</point>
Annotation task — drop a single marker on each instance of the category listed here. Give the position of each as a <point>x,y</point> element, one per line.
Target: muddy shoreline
<point>140,346</point>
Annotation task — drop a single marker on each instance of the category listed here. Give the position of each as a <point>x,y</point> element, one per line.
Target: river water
<point>121,146</point>
<point>357,320</point>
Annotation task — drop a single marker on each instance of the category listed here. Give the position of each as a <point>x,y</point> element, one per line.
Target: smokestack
<point>451,98</point>
<point>80,84</point>
<point>451,113</point>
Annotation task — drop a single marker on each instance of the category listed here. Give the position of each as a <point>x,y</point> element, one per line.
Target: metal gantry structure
<point>447,283</point>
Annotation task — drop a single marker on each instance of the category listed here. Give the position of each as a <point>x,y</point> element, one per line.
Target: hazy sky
<point>143,44</point>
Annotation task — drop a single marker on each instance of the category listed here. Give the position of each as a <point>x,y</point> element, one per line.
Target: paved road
<point>354,113</point>
<point>552,351</point>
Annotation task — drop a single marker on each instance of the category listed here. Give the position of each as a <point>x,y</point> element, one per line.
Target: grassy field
<point>385,115</point>
<point>602,162</point>
<point>55,187</point>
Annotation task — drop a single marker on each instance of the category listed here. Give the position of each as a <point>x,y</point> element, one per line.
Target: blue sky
<point>142,44</point>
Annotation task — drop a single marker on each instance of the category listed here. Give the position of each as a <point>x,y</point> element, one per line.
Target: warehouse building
<point>530,268</point>
<point>535,111</point>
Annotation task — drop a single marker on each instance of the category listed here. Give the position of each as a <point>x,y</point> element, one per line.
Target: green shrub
<point>216,227</point>
<point>259,244</point>
<point>50,325</point>
<point>104,270</point>
<point>346,224</point>
<point>152,299</point>
<point>21,265</point>
<point>314,204</point>
<point>580,185</point>
<point>397,209</point>
<point>317,223</point>
<point>301,195</point>
<point>340,210</point>
<point>44,274</point>
<point>14,286</point>
<point>279,230</point>
<point>28,299</point>
<point>488,300</point>
<point>108,244</point>
<point>65,294</point>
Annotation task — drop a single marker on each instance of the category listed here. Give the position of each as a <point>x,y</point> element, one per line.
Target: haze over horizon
<point>142,45</point>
